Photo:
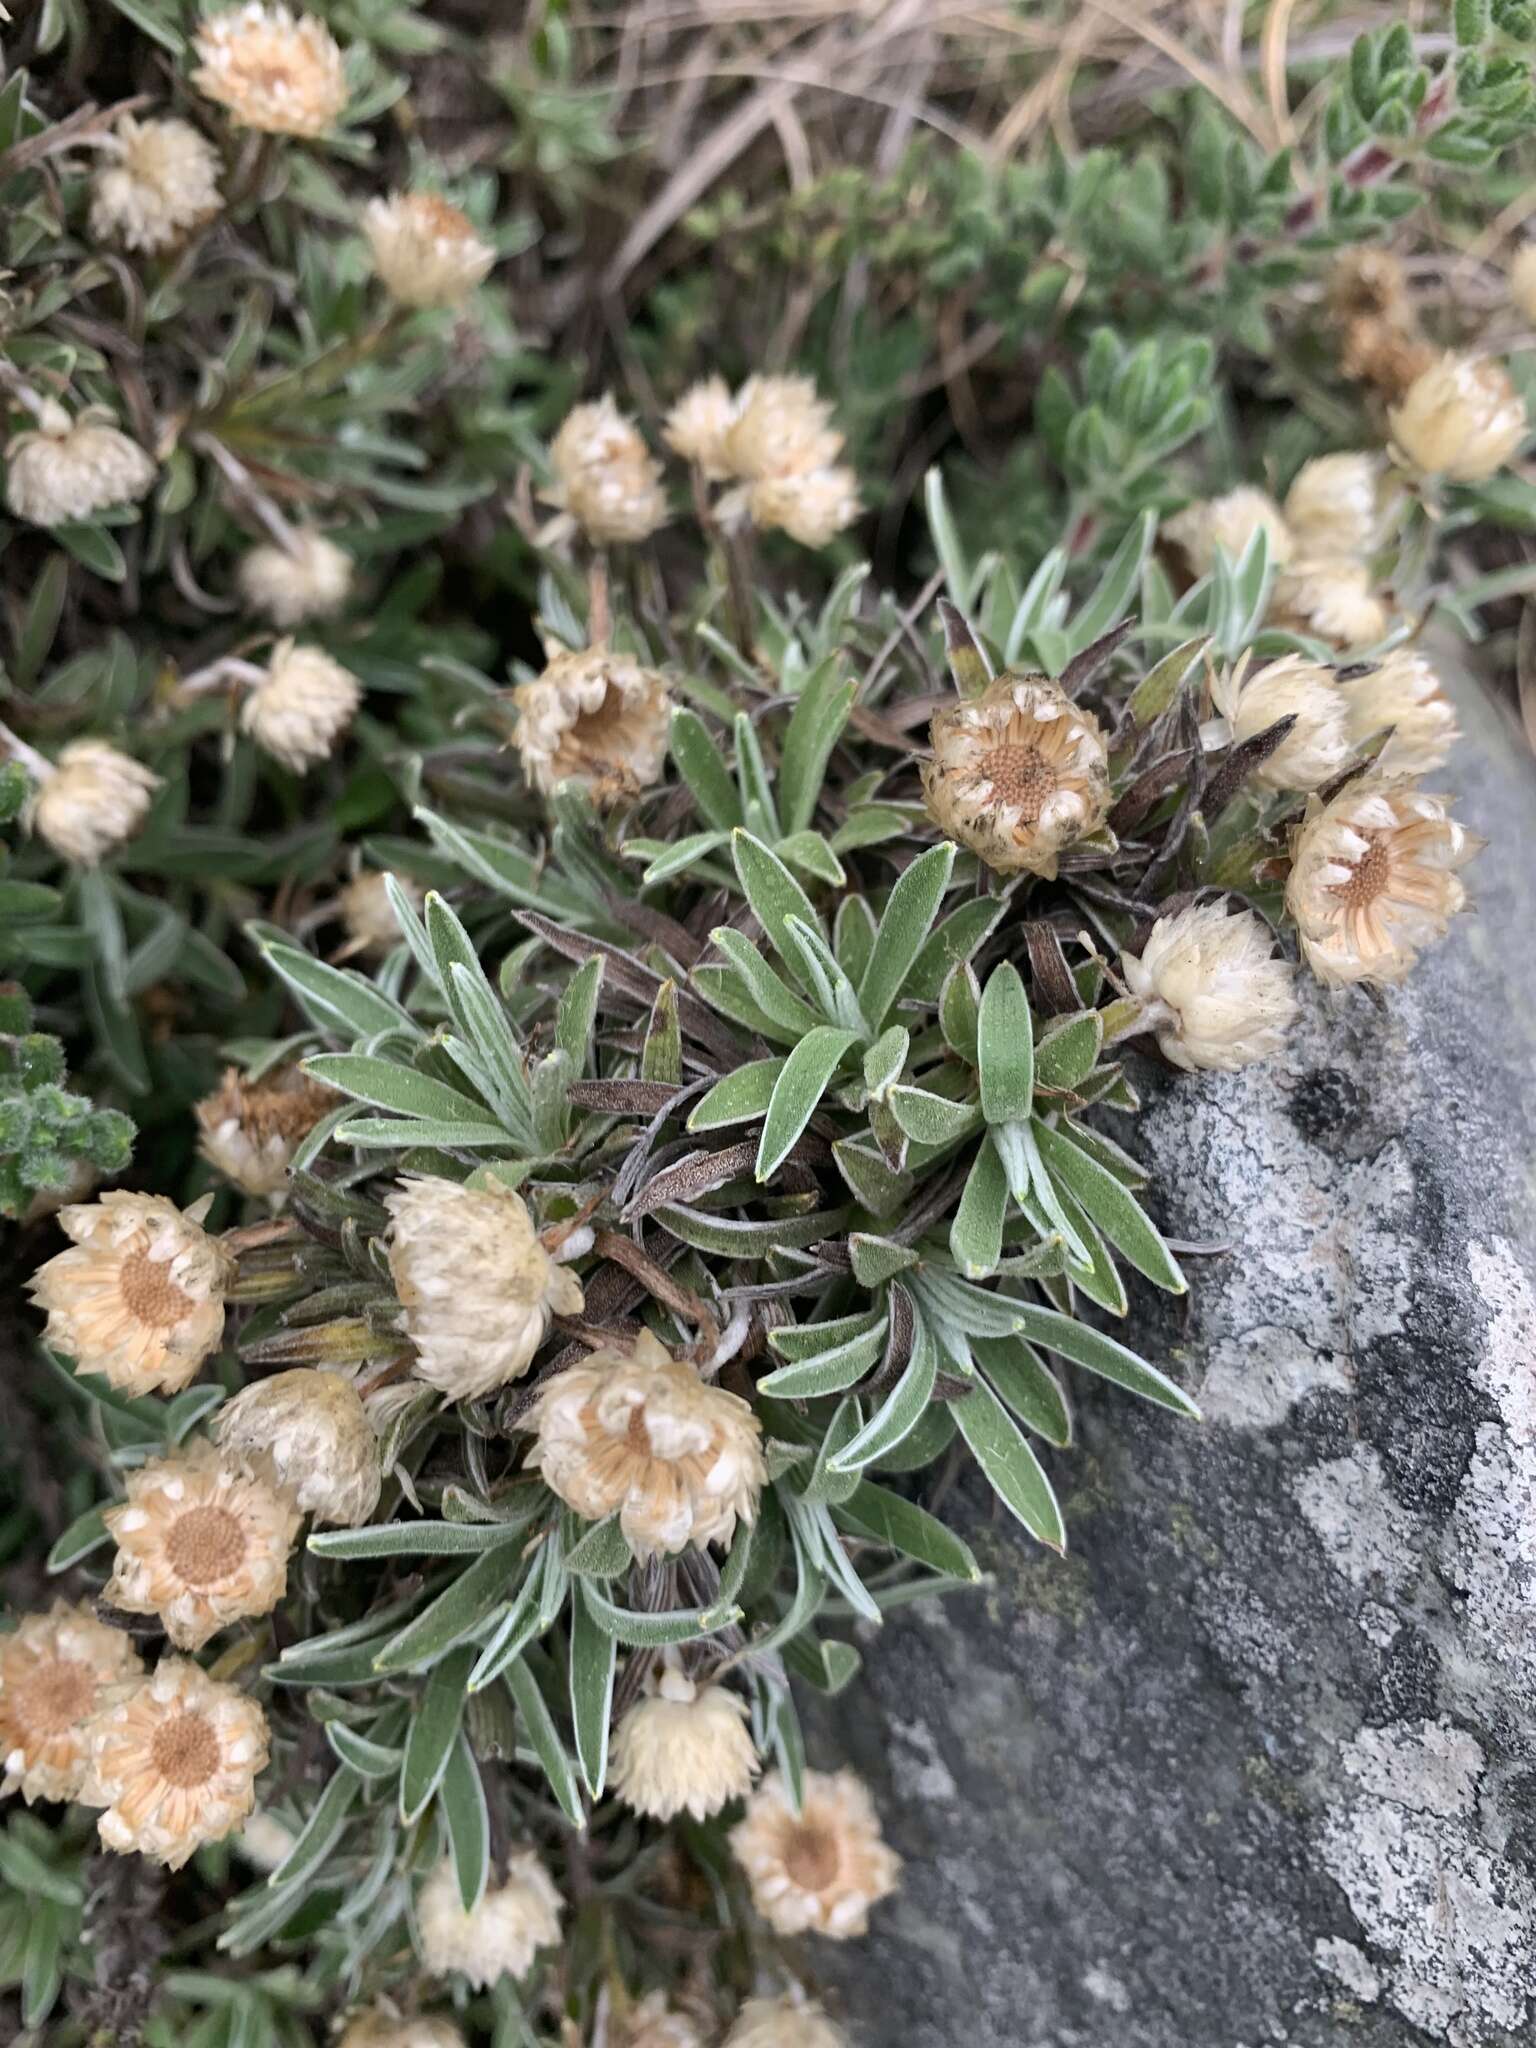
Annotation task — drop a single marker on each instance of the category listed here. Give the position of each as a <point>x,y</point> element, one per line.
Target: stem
<point>248,490</point>
<point>599,611</point>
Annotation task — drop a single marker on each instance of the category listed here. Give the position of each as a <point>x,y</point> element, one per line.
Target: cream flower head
<point>1461,418</point>
<point>819,1870</point>
<point>382,2027</point>
<point>368,914</point>
<point>250,1130</point>
<point>93,802</point>
<point>606,478</point>
<point>1332,599</point>
<point>653,2024</point>
<point>596,718</point>
<point>302,706</point>
<point>272,71</point>
<point>812,508</point>
<point>1335,506</point>
<point>477,1286</point>
<point>1212,990</point>
<point>792,2022</point>
<point>201,1543</point>
<point>1402,692</point>
<point>1373,879</point>
<point>1229,523</point>
<point>1317,745</point>
<point>425,251</point>
<point>311,1432</point>
<point>640,1435</point>
<point>140,1297</point>
<point>697,427</point>
<point>781,428</point>
<point>160,181</point>
<point>501,1936</point>
<point>64,469</point>
<point>174,1761</point>
<point>54,1669</point>
<point>1017,774</point>
<point>311,580</point>
<point>684,1748</point>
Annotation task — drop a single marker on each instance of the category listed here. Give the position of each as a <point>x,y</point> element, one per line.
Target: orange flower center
<point>439,218</point>
<point>1021,778</point>
<point>150,1294</point>
<point>1368,878</point>
<point>205,1545</point>
<point>50,1700</point>
<point>636,1435</point>
<point>185,1750</point>
<point>811,1858</point>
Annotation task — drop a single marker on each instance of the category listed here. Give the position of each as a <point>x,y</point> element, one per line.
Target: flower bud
<point>382,2027</point>
<point>1228,523</point>
<point>1316,747</point>
<point>812,508</point>
<point>1211,988</point>
<point>64,470</point>
<point>1331,599</point>
<point>697,427</point>
<point>501,1935</point>
<point>272,72</point>
<point>1402,694</point>
<point>683,1748</point>
<point>159,182</point>
<point>606,478</point>
<point>93,802</point>
<point>426,252</point>
<point>1461,419</point>
<point>792,2022</point>
<point>782,428</point>
<point>310,580</point>
<point>310,1431</point>
<point>301,708</point>
<point>1335,506</point>
<point>369,915</point>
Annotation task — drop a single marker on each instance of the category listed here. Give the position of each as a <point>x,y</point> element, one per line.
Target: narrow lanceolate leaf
<point>930,1119</point>
<point>899,1413</point>
<point>1017,1374</point>
<point>884,1517</point>
<point>1002,1451</point>
<point>1091,1349</point>
<point>1066,1054</point>
<point>702,767</point>
<point>577,1013</point>
<point>820,973</point>
<point>904,926</point>
<point>819,717</point>
<point>1112,1207</point>
<point>797,1092</point>
<point>472,1598</point>
<point>960,1010</point>
<point>414,1539</point>
<point>976,1235</point>
<point>771,889</point>
<point>338,1000</point>
<point>538,1725</point>
<point>885,1059</point>
<point>593,1657</point>
<point>320,1832</point>
<point>1005,1047</point>
<point>842,1364</point>
<point>432,1732</point>
<point>740,1098</point>
<point>771,995</point>
<point>462,1799</point>
<point>390,1086</point>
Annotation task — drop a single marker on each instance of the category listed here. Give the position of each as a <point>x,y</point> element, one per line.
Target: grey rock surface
<point>1256,1763</point>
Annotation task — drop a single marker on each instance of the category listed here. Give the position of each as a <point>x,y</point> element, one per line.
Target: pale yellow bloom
<point>653,2024</point>
<point>159,182</point>
<point>200,1542</point>
<point>605,476</point>
<point>250,1130</point>
<point>93,802</point>
<point>1522,280</point>
<point>597,718</point>
<point>698,424</point>
<point>1332,599</point>
<point>1229,523</point>
<point>781,428</point>
<point>1316,747</point>
<point>64,470</point>
<point>382,2027</point>
<point>477,1286</point>
<point>1017,774</point>
<point>310,580</point>
<point>1461,418</point>
<point>819,1870</point>
<point>174,1761</point>
<point>1403,692</point>
<point>1211,988</point>
<point>272,71</point>
<point>1335,506</point>
<point>425,250</point>
<point>1373,879</point>
<point>812,508</point>
<point>54,1668</point>
<point>140,1296</point>
<point>640,1435</point>
<point>792,2022</point>
<point>311,1432</point>
<point>502,1935</point>
<point>302,706</point>
<point>684,1748</point>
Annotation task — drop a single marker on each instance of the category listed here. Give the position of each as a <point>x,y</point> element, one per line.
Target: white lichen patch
<point>1351,1966</point>
<point>1368,1535</point>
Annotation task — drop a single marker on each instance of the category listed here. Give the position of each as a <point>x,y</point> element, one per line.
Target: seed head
<point>251,1129</point>
<point>684,1748</point>
<point>596,718</point>
<point>65,470</point>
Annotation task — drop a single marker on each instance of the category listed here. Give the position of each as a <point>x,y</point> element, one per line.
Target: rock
<point>1256,1762</point>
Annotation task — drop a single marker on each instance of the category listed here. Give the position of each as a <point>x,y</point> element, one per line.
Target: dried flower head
<point>1335,506</point>
<point>93,802</point>
<point>1331,599</point>
<point>311,1432</point>
<point>1373,879</point>
<point>64,469</point>
<point>368,914</point>
<point>653,2024</point>
<point>501,1936</point>
<point>792,2022</point>
<point>425,250</point>
<point>597,718</point>
<point>272,71</point>
<point>1318,744</point>
<point>310,580</point>
<point>382,2027</point>
<point>140,1296</point>
<point>302,706</point>
<point>1402,694</point>
<point>782,428</point>
<point>477,1286</point>
<point>250,1130</point>
<point>54,1668</point>
<point>605,476</point>
<point>1212,989</point>
<point>812,508</point>
<point>820,1869</point>
<point>1522,280</point>
<point>1017,774</point>
<point>697,427</point>
<point>641,1435</point>
<point>1460,418</point>
<point>174,1761</point>
<point>200,1542</point>
<point>1229,523</point>
<point>159,182</point>
<point>684,1748</point>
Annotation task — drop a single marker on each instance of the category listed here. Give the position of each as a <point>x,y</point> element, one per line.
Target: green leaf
<point>1092,1350</point>
<point>813,856</point>
<point>454,1614</point>
<point>1005,1047</point>
<point>661,1057</point>
<point>739,1098</point>
<point>86,1533</point>
<point>151,19</point>
<point>336,999</point>
<point>1111,600</point>
<point>593,1656</point>
<point>819,717</point>
<point>976,1234</point>
<point>760,812</point>
<point>957,938</point>
<point>820,973</point>
<point>904,927</point>
<point>416,1539</point>
<point>839,1365</point>
<point>900,1411</point>
<point>539,1726</point>
<point>1067,1051</point>
<point>320,1832</point>
<point>390,1086</point>
<point>433,1729</point>
<point>876,1259</point>
<point>392,1132</point>
<point>881,1516</point>
<point>702,767</point>
<point>577,1014</point>
<point>1015,1372</point>
<point>652,1629</point>
<point>1002,1450</point>
<point>95,547</point>
<point>777,1001</point>
<point>771,890</point>
<point>675,858</point>
<point>602,1553</point>
<point>1112,1207</point>
<point>462,1799</point>
<point>930,1119</point>
<point>797,1092</point>
<point>378,1760</point>
<point>885,1060</point>
<point>960,1010</point>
